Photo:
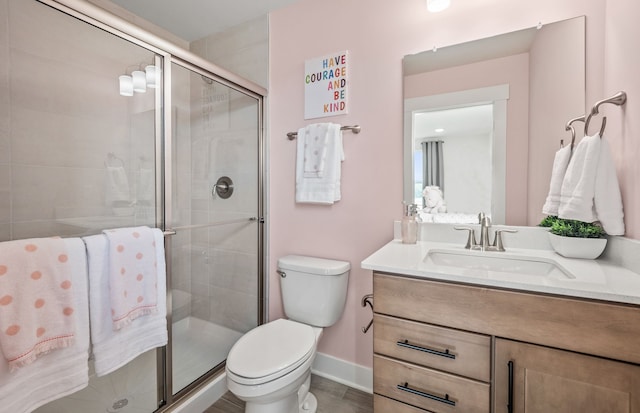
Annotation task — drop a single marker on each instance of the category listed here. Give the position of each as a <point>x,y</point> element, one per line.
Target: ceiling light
<point>435,6</point>
<point>439,130</point>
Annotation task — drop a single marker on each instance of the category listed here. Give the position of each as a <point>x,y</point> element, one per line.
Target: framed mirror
<point>483,120</point>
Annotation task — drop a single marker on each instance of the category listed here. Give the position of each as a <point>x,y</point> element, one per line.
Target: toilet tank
<point>314,290</point>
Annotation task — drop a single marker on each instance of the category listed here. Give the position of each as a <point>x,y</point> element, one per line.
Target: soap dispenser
<point>409,224</point>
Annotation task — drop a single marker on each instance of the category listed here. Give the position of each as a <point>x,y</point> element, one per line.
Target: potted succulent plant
<point>575,239</point>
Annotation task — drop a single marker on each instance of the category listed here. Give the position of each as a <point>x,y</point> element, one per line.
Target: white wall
<point>467,178</point>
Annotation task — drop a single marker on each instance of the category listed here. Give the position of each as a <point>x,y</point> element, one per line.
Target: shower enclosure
<point>77,157</point>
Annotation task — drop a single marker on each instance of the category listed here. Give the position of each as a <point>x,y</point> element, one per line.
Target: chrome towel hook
<point>618,99</point>
<point>569,127</point>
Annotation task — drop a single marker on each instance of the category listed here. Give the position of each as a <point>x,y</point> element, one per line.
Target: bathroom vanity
<point>480,339</point>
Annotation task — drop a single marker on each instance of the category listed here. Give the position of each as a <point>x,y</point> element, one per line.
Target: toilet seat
<point>270,351</point>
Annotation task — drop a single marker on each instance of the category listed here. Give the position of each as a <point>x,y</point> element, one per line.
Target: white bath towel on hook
<point>590,190</point>
<point>560,164</point>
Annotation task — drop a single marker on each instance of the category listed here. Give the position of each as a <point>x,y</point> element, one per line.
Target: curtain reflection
<point>433,164</point>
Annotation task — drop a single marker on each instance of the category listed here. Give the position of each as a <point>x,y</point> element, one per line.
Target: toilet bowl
<point>270,380</point>
<point>270,366</point>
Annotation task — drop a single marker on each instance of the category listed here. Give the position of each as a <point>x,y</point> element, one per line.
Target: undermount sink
<point>483,263</point>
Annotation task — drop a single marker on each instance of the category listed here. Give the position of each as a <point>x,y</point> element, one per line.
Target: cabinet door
<point>538,379</point>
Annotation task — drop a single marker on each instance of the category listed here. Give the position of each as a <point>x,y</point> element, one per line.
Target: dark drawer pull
<point>444,399</point>
<point>445,353</point>
<point>510,398</point>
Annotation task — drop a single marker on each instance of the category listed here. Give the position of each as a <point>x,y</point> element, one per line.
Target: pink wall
<point>378,33</point>
<point>622,72</point>
<point>557,69</point>
<point>513,71</point>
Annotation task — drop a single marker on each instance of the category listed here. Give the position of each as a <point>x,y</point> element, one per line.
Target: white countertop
<point>594,279</point>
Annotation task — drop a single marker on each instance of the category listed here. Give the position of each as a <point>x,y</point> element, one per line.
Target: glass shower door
<point>76,157</point>
<point>214,211</point>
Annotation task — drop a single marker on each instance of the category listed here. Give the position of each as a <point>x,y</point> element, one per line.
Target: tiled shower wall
<point>219,265</point>
<point>60,117</point>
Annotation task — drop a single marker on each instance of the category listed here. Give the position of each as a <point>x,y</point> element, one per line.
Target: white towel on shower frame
<point>63,371</point>
<point>113,349</point>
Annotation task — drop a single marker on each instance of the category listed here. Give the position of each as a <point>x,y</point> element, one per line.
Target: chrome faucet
<point>484,245</point>
<point>485,224</point>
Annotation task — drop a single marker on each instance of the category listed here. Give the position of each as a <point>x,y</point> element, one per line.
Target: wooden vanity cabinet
<point>550,380</point>
<point>422,367</point>
<point>514,351</point>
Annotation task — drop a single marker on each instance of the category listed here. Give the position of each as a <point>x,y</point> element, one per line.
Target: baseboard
<point>204,397</point>
<point>344,372</point>
<point>332,368</point>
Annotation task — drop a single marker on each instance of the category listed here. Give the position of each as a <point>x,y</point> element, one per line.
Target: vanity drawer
<point>528,317</point>
<point>454,351</point>
<point>428,389</point>
<point>383,404</point>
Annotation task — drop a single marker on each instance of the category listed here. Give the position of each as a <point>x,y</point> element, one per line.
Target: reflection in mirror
<point>498,107</point>
<point>470,185</point>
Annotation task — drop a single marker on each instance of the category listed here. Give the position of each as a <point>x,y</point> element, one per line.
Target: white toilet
<point>270,366</point>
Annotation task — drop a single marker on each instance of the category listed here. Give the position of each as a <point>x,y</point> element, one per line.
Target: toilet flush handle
<point>282,274</point>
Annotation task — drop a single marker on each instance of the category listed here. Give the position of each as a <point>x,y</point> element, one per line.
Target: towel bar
<point>354,129</point>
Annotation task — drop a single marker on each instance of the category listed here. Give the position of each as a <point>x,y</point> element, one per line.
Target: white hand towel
<point>607,198</point>
<point>590,191</point>
<point>60,372</point>
<point>132,274</point>
<point>578,187</point>
<point>560,163</point>
<point>326,189</point>
<point>116,185</point>
<point>314,138</point>
<point>113,349</point>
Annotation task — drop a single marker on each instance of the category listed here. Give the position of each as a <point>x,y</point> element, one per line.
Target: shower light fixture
<point>139,81</point>
<point>435,6</point>
<point>126,85</point>
<point>152,75</point>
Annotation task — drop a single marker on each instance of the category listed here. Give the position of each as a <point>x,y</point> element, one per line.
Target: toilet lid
<point>272,349</point>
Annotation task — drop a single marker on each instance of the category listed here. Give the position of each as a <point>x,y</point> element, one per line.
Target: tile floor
<point>332,398</point>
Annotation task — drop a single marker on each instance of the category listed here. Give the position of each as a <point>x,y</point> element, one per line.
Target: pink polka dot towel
<point>133,274</point>
<point>36,299</point>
